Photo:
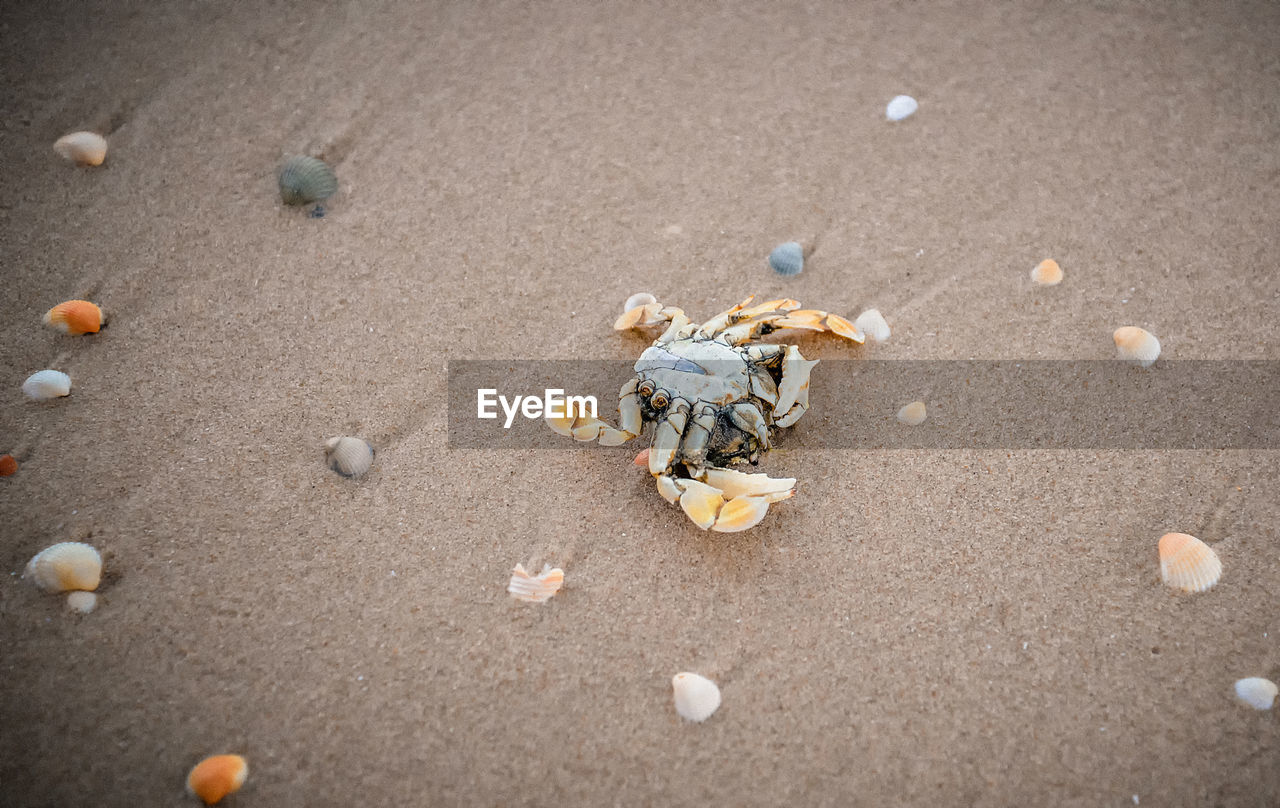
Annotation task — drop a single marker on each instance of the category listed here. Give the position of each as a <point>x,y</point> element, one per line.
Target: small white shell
<point>84,148</point>
<point>1137,345</point>
<point>350,457</point>
<point>872,323</point>
<point>1256,692</point>
<point>787,259</point>
<point>900,107</point>
<point>696,697</point>
<point>913,414</point>
<point>638,299</point>
<point>46,384</point>
<point>535,588</point>
<point>82,602</point>
<point>64,566</point>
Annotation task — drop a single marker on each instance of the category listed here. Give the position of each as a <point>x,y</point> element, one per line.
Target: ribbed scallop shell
<point>1187,563</point>
<point>535,588</point>
<point>84,148</point>
<point>46,384</point>
<point>872,323</point>
<point>1047,273</point>
<point>696,697</point>
<point>75,317</point>
<point>787,259</point>
<point>901,106</point>
<point>305,179</point>
<point>1258,693</point>
<point>350,457</point>
<point>913,414</point>
<point>215,777</point>
<point>65,566</point>
<point>1137,345</point>
<point>82,602</point>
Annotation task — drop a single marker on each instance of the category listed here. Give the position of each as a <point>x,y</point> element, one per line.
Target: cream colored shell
<point>82,602</point>
<point>535,588</point>
<point>83,148</point>
<point>696,697</point>
<point>46,384</point>
<point>637,300</point>
<point>350,457</point>
<point>1136,345</point>
<point>65,566</point>
<point>913,414</point>
<point>1187,563</point>
<point>1258,693</point>
<point>872,323</point>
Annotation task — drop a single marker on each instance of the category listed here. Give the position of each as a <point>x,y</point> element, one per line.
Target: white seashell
<point>1187,563</point>
<point>913,414</point>
<point>46,384</point>
<point>787,259</point>
<point>1256,692</point>
<point>1137,345</point>
<point>637,300</point>
<point>350,457</point>
<point>535,588</point>
<point>64,566</point>
<point>84,148</point>
<point>82,602</point>
<point>1046,273</point>
<point>696,697</point>
<point>900,107</point>
<point>872,323</point>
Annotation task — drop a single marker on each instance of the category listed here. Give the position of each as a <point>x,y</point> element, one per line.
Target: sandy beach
<point>915,627</point>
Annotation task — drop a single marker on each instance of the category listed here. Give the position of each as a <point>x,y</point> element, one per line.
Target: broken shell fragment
<point>637,300</point>
<point>787,259</point>
<point>75,317</point>
<point>350,457</point>
<point>696,697</point>
<point>215,777</point>
<point>641,459</point>
<point>1187,563</point>
<point>305,179</point>
<point>46,384</point>
<point>913,414</point>
<point>82,148</point>
<point>1047,273</point>
<point>535,588</point>
<point>8,465</point>
<point>82,602</point>
<point>1136,345</point>
<point>1257,692</point>
<point>901,106</point>
<point>872,323</point>
<point>65,566</point>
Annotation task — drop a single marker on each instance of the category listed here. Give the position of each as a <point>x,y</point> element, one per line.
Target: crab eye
<point>659,400</point>
<point>646,389</point>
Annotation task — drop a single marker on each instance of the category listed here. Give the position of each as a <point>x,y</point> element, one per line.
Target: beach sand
<point>960,627</point>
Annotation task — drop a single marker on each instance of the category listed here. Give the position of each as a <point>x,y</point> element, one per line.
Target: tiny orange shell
<point>1047,273</point>
<point>75,317</point>
<point>215,777</point>
<point>641,459</point>
<point>8,465</point>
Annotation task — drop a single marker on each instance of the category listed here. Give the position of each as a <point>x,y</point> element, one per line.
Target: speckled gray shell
<point>350,457</point>
<point>787,259</point>
<point>305,179</point>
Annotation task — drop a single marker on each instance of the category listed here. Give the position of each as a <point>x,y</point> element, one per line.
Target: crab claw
<point>648,314</point>
<point>814,320</point>
<point>740,504</point>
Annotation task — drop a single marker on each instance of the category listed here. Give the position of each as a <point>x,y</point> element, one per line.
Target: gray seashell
<point>787,259</point>
<point>305,179</point>
<point>350,457</point>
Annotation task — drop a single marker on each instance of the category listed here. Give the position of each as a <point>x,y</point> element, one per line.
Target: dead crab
<point>716,398</point>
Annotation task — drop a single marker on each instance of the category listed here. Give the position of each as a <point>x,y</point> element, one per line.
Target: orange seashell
<point>8,465</point>
<point>1047,273</point>
<point>1187,563</point>
<point>75,317</point>
<point>641,459</point>
<point>215,777</point>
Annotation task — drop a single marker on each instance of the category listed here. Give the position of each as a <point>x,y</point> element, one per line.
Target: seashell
<point>46,384</point>
<point>913,414</point>
<point>638,299</point>
<point>8,465</point>
<point>696,697</point>
<point>350,457</point>
<point>64,566</point>
<point>82,602</point>
<point>306,179</point>
<point>1256,692</point>
<point>787,259</point>
<point>1136,344</point>
<point>1187,563</point>
<point>75,317</point>
<point>535,588</point>
<point>641,459</point>
<point>83,148</point>
<point>900,107</point>
<point>215,777</point>
<point>1047,273</point>
<point>872,323</point>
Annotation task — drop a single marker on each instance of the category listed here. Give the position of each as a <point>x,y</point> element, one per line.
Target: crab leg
<point>742,314</point>
<point>814,320</point>
<point>696,438</point>
<point>583,427</point>
<point>666,438</point>
<point>729,501</point>
<point>646,315</point>
<point>793,391</point>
